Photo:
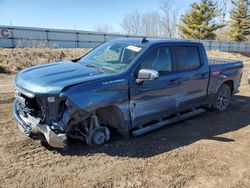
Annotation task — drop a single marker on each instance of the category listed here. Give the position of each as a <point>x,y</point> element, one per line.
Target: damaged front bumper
<point>34,127</point>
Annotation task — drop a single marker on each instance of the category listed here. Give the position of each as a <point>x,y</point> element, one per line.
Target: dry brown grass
<point>13,60</point>
<point>229,55</point>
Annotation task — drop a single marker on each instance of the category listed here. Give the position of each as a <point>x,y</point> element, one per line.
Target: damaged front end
<point>46,115</point>
<point>56,118</point>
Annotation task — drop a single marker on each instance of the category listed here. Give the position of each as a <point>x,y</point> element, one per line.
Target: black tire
<point>222,98</point>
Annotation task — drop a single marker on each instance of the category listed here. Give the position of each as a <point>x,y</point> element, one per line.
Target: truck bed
<point>218,61</point>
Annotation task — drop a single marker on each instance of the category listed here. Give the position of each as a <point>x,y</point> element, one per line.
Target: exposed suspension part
<point>90,131</point>
<point>97,134</point>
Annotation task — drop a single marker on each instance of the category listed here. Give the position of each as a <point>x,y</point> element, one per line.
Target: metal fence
<point>12,37</point>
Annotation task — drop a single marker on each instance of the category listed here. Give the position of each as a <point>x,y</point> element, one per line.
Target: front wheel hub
<point>99,136</point>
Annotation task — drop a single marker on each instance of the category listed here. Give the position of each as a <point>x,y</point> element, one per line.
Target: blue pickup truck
<point>130,85</point>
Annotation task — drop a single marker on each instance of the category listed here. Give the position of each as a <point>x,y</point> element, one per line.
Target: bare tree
<point>147,24</point>
<point>105,28</point>
<point>131,24</point>
<point>222,10</point>
<point>222,34</point>
<point>169,18</point>
<point>151,24</point>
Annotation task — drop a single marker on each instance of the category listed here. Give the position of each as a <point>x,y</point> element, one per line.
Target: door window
<point>159,59</point>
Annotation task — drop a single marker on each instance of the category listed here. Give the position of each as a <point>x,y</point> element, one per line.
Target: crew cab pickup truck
<point>130,85</point>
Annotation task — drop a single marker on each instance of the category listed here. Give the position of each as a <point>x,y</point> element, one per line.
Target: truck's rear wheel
<point>222,98</point>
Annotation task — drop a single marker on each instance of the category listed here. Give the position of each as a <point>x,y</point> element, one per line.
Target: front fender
<point>98,94</point>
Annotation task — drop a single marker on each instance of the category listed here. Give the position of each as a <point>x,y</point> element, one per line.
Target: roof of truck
<point>151,41</point>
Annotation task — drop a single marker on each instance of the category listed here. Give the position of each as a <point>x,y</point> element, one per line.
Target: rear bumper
<point>27,127</point>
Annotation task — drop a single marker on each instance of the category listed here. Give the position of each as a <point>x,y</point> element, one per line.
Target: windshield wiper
<point>98,67</point>
<point>76,60</point>
<point>94,66</point>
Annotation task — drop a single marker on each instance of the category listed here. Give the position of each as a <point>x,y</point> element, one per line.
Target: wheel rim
<point>223,99</point>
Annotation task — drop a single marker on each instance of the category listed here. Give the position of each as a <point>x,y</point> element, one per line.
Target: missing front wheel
<point>97,134</point>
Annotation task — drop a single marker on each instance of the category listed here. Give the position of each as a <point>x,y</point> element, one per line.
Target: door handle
<point>173,81</point>
<point>203,75</point>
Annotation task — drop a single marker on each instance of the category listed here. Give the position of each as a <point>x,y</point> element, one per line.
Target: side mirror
<point>147,74</point>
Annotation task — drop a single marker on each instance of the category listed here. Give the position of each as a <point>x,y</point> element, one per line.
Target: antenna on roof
<point>144,40</point>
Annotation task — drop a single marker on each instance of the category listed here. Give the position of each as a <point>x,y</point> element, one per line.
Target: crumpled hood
<point>52,78</point>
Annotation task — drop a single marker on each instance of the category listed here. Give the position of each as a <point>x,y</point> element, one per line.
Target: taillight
<point>215,72</point>
<point>240,76</point>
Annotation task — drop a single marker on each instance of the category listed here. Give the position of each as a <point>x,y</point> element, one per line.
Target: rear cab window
<point>187,58</point>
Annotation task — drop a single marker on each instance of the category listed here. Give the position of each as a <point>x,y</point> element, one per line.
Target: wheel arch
<point>230,84</point>
<point>208,102</point>
<point>221,100</point>
<point>114,116</point>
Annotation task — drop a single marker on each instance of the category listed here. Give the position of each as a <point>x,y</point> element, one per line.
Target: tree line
<point>206,19</point>
<point>161,23</point>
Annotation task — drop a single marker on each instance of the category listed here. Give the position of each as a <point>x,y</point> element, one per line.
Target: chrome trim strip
<point>27,94</point>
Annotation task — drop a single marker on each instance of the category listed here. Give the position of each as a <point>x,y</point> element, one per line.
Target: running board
<point>166,122</point>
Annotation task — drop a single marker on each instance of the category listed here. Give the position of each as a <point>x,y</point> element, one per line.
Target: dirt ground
<point>209,150</point>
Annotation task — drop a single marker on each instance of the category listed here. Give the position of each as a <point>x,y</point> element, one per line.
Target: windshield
<point>111,56</point>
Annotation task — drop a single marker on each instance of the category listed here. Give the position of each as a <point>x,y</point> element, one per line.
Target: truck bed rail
<point>216,61</point>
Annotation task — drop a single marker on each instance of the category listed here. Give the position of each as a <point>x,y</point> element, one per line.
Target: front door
<point>156,99</point>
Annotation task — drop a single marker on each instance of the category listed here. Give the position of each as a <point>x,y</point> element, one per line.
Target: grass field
<point>13,60</point>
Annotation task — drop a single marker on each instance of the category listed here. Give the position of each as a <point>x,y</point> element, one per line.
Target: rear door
<point>152,100</point>
<point>193,76</point>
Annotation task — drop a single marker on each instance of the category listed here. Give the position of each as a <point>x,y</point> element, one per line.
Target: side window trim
<point>176,59</point>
